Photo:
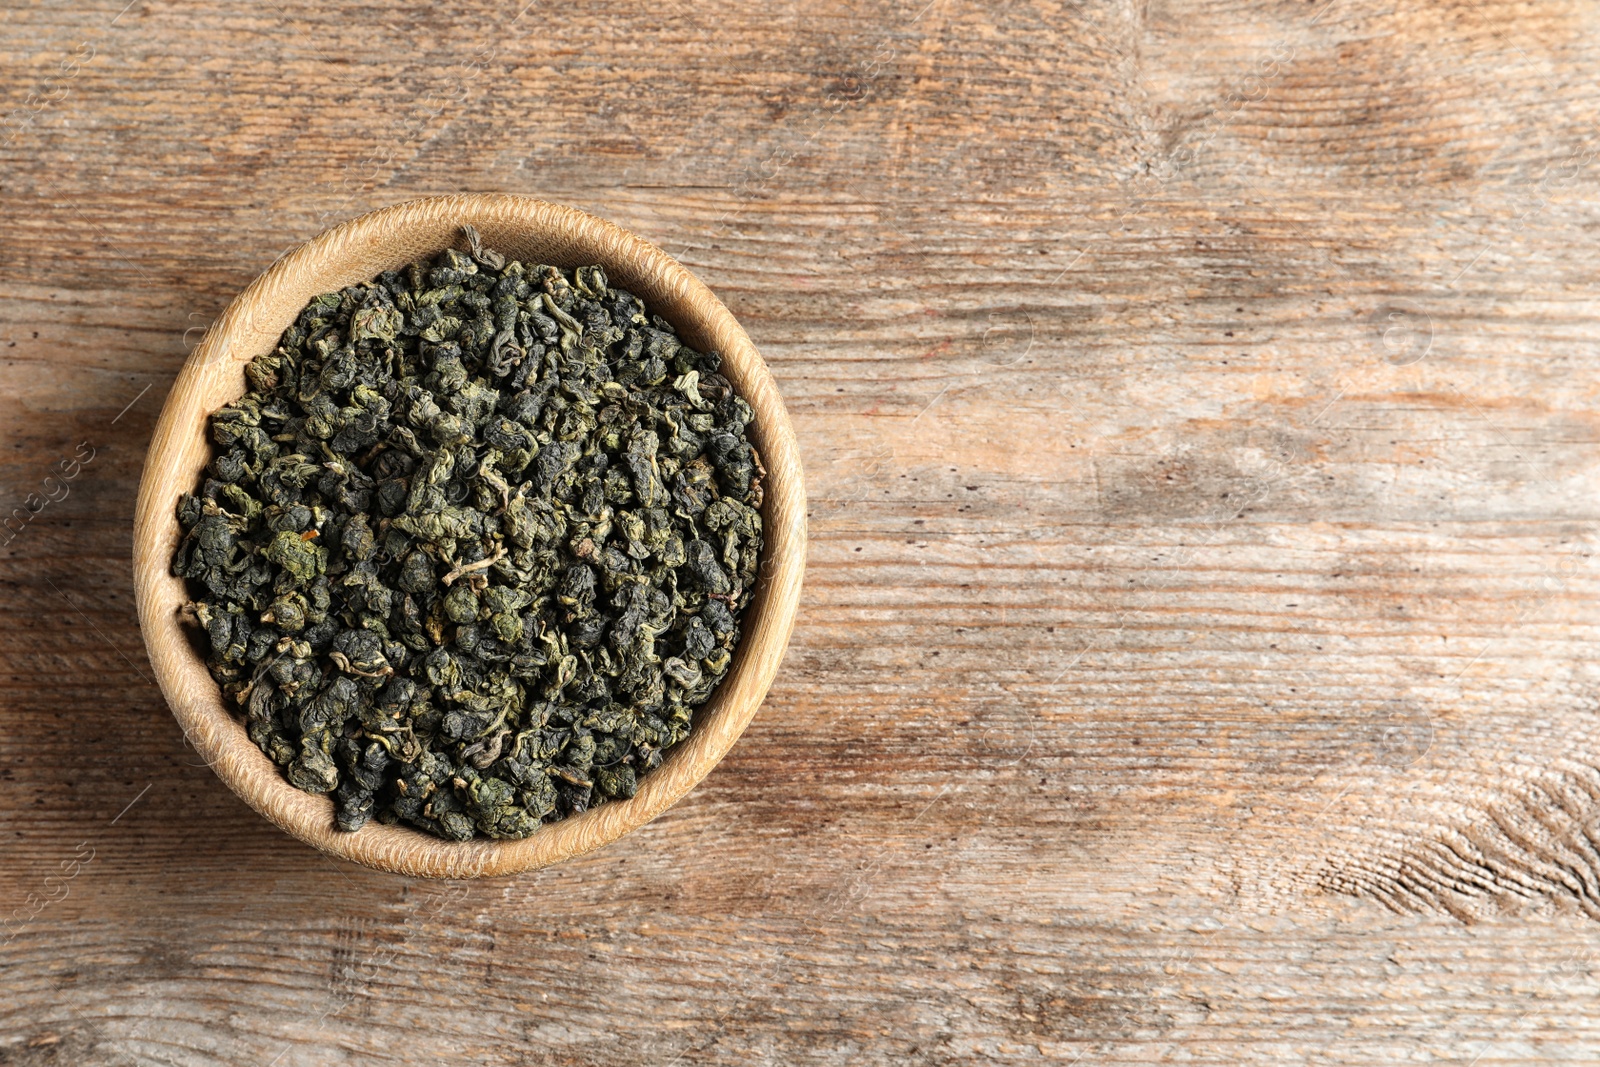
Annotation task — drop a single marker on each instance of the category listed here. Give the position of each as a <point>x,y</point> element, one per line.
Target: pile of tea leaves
<point>475,544</point>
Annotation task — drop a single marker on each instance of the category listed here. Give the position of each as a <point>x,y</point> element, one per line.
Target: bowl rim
<point>179,450</point>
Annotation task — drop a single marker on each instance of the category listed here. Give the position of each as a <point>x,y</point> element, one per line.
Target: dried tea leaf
<point>475,545</point>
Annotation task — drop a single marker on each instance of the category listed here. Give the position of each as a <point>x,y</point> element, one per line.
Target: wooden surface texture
<point>1200,408</point>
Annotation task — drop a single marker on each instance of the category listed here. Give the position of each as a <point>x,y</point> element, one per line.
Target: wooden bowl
<point>358,250</point>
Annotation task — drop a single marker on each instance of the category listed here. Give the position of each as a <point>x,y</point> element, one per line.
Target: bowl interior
<point>532,231</point>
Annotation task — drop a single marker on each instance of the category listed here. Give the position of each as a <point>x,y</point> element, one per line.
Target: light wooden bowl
<point>356,251</point>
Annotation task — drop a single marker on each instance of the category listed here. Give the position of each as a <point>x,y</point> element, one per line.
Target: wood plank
<point>1198,409</point>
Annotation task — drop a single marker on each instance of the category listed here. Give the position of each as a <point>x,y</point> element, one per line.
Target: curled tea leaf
<point>475,546</point>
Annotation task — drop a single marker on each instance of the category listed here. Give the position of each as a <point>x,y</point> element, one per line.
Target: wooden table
<point>1199,410</point>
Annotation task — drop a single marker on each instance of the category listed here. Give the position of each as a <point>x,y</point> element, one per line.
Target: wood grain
<point>1198,407</point>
